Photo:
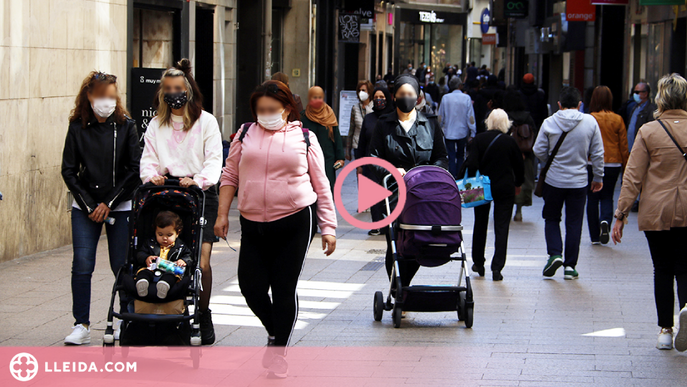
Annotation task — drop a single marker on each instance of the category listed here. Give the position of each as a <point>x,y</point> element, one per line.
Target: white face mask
<point>272,121</point>
<point>363,95</point>
<point>104,107</point>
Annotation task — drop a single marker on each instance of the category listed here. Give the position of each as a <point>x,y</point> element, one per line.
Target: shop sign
<point>144,85</point>
<point>610,2</point>
<point>363,8</point>
<point>517,9</point>
<point>429,17</point>
<point>484,20</point>
<point>489,39</point>
<point>661,2</point>
<point>349,28</point>
<point>580,10</point>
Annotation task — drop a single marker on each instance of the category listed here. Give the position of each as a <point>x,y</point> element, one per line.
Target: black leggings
<point>406,268</point>
<point>670,265</point>
<point>272,256</point>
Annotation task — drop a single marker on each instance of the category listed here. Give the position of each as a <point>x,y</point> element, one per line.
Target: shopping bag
<point>474,191</point>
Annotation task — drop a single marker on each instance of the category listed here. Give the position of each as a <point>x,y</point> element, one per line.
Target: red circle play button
<point>369,193</point>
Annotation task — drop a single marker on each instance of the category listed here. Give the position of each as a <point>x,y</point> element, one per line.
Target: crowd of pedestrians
<point>282,169</point>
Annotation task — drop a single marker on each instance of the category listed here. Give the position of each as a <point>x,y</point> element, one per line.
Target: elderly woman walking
<point>658,168</point>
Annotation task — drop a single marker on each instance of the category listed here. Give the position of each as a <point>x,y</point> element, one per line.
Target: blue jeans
<point>85,237</point>
<point>603,200</point>
<point>574,200</point>
<point>456,155</point>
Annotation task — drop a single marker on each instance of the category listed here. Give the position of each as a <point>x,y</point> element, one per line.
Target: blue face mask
<point>636,98</point>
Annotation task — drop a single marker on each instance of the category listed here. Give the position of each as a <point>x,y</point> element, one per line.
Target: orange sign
<point>489,39</point>
<point>580,10</point>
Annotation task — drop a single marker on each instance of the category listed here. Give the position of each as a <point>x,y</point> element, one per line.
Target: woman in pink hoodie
<point>283,192</point>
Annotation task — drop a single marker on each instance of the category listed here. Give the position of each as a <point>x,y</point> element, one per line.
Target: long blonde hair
<point>193,108</point>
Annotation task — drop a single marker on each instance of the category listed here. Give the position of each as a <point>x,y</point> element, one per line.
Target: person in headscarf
<point>422,105</point>
<point>319,118</point>
<point>283,78</point>
<point>382,104</point>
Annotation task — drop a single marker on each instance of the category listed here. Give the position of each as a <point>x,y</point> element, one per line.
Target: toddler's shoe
<point>142,287</point>
<point>162,289</point>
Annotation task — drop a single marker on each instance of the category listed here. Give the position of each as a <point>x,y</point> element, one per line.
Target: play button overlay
<point>369,193</point>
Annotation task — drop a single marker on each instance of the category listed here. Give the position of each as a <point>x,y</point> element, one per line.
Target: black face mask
<point>380,104</point>
<point>406,104</point>
<point>176,100</point>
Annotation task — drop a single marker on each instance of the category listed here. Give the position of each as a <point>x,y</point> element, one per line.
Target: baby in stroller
<point>165,247</point>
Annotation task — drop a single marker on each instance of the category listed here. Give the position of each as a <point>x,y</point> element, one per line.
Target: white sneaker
<point>117,329</point>
<point>162,289</point>
<point>80,335</point>
<point>142,287</point>
<point>665,339</point>
<point>681,337</point>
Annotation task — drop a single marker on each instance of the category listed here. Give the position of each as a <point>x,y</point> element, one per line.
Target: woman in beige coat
<point>658,168</point>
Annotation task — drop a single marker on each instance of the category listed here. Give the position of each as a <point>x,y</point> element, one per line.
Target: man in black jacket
<point>535,98</point>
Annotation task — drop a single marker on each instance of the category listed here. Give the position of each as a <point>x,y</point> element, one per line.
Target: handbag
<point>476,191</point>
<point>539,190</point>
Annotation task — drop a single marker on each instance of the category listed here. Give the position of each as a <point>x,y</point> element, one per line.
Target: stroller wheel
<point>378,306</point>
<point>396,316</point>
<point>469,311</point>
<point>461,307</point>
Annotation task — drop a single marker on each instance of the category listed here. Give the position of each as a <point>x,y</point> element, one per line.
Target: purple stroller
<point>429,232</point>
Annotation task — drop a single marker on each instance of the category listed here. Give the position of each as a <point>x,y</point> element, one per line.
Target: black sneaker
<point>605,233</point>
<point>269,353</point>
<point>207,330</point>
<point>496,276</point>
<point>375,232</point>
<point>478,269</point>
<point>279,368</point>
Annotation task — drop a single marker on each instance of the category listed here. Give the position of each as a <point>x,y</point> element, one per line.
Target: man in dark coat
<point>535,98</point>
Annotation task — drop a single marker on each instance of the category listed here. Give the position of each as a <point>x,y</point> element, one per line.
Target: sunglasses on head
<point>105,77</point>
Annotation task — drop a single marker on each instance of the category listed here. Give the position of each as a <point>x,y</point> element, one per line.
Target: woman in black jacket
<point>382,104</point>
<point>100,166</point>
<point>495,154</point>
<point>406,138</point>
<point>515,106</point>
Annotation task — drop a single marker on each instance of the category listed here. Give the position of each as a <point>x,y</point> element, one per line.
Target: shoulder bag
<point>539,190</point>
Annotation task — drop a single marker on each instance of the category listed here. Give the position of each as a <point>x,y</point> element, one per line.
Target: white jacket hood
<point>567,119</point>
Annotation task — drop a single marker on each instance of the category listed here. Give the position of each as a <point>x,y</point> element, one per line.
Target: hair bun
<point>184,65</point>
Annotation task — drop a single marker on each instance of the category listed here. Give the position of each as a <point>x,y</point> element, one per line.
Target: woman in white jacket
<point>184,142</point>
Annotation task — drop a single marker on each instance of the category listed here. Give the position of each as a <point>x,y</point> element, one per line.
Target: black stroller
<point>168,323</point>
<point>429,232</point>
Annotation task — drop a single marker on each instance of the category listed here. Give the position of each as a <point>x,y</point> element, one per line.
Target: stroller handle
<point>170,183</point>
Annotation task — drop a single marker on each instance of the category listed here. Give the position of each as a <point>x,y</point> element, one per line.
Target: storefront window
<point>436,45</point>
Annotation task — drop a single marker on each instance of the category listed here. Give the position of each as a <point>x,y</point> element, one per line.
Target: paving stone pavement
<point>599,330</point>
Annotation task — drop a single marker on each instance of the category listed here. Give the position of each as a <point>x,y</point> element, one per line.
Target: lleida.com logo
<point>24,367</point>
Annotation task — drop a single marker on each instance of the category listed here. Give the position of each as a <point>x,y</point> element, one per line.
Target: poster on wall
<point>144,84</point>
<point>347,99</point>
<point>349,28</point>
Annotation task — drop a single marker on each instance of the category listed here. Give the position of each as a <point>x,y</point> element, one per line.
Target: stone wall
<point>47,47</point>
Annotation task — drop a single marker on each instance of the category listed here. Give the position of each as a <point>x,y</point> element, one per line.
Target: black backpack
<point>306,135</point>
